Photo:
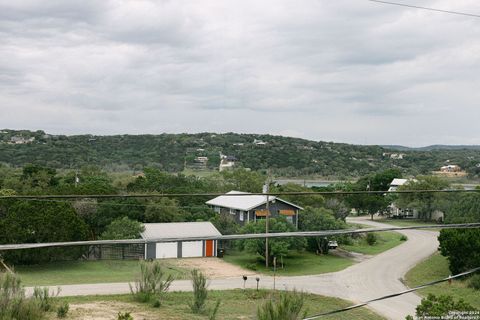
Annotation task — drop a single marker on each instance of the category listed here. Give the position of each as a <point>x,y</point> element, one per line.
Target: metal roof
<point>179,229</point>
<point>244,202</point>
<point>398,182</point>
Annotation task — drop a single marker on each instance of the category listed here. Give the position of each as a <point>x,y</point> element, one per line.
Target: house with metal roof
<point>245,207</point>
<point>179,249</point>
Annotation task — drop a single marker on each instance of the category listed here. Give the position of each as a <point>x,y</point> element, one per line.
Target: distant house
<point>246,208</point>
<point>227,162</point>
<point>451,168</point>
<point>180,249</point>
<point>396,183</point>
<point>407,213</point>
<point>259,142</point>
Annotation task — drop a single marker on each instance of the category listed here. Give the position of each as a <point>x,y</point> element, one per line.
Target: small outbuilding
<point>180,249</point>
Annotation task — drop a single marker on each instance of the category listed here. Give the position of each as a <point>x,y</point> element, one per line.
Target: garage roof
<point>244,201</point>
<point>178,230</point>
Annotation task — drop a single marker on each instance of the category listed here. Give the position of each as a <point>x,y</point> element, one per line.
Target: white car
<point>332,244</point>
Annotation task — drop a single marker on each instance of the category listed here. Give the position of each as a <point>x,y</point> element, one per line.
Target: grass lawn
<point>235,304</point>
<point>76,272</point>
<point>434,268</point>
<point>385,241</point>
<point>408,223</point>
<point>296,264</point>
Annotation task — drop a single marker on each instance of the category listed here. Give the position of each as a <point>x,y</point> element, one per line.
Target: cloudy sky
<point>335,70</point>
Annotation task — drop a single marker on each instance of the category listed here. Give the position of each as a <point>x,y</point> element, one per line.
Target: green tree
<point>302,200</point>
<point>37,222</point>
<point>314,219</point>
<point>165,210</point>
<point>373,203</point>
<point>461,247</point>
<point>277,247</point>
<point>244,180</point>
<point>440,306</point>
<point>424,203</point>
<point>123,228</point>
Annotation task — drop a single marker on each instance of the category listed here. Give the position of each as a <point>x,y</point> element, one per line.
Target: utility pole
<point>266,190</point>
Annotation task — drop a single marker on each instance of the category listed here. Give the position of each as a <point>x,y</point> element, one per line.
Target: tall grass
<point>200,292</point>
<point>13,303</point>
<point>287,306</point>
<point>152,282</point>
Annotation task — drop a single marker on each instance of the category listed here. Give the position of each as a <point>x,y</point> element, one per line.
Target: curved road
<point>372,278</point>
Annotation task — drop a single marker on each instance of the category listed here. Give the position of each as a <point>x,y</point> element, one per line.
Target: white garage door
<point>192,249</point>
<point>166,250</point>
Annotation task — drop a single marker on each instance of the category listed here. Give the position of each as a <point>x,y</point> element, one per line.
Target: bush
<point>440,306</point>
<point>403,238</point>
<point>288,307</point>
<point>44,298</point>
<point>199,283</point>
<point>371,238</point>
<point>124,316</point>
<point>13,304</point>
<point>153,282</point>
<point>251,266</point>
<point>63,310</point>
<point>474,282</point>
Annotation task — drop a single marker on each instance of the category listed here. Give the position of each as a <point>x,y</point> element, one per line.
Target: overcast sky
<point>333,70</point>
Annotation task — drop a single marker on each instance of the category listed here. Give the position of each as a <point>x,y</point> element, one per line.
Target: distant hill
<point>432,147</point>
<point>284,156</point>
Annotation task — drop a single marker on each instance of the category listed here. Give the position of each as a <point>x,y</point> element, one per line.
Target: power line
<point>216,194</point>
<point>393,294</point>
<point>426,8</point>
<point>297,234</point>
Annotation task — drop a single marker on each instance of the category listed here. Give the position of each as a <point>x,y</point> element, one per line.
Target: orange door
<point>209,248</point>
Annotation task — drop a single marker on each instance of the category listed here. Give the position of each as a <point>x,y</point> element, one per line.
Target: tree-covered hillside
<point>174,152</point>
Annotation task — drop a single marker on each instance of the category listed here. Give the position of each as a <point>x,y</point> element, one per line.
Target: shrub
<point>440,306</point>
<point>124,316</point>
<point>403,238</point>
<point>475,282</point>
<point>288,307</point>
<point>199,283</point>
<point>251,266</point>
<point>63,310</point>
<point>371,238</point>
<point>152,282</point>
<point>44,298</point>
<point>13,304</point>
<point>157,304</point>
<point>214,311</point>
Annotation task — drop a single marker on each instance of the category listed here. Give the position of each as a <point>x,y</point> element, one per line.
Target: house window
<point>232,211</point>
<point>241,216</point>
<point>289,219</point>
<point>216,209</point>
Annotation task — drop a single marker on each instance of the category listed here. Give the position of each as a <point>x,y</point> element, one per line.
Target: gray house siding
<point>274,209</point>
<point>151,251</point>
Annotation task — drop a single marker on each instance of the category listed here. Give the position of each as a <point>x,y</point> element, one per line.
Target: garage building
<point>180,249</point>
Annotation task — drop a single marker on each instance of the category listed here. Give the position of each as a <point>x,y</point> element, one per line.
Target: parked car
<point>332,244</point>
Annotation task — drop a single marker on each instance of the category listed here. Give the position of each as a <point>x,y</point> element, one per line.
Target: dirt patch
<point>356,256</point>
<point>214,268</point>
<point>107,310</point>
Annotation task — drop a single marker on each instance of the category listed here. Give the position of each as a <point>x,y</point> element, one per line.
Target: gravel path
<point>378,276</point>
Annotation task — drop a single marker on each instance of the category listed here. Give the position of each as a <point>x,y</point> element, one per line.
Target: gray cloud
<point>350,71</point>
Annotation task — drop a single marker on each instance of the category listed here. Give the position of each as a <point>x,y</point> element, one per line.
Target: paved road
<point>369,279</point>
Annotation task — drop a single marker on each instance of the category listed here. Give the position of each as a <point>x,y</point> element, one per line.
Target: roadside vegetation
<point>434,268</point>
<point>235,304</point>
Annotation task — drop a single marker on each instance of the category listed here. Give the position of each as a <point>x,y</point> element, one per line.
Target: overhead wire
<point>295,234</point>
<point>393,295</point>
<point>425,8</point>
<point>216,194</point>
